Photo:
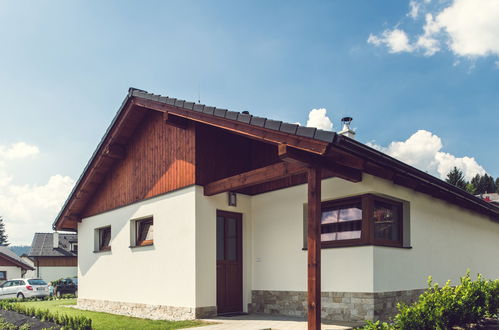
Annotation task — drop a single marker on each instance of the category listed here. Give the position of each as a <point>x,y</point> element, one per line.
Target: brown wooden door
<point>229,263</point>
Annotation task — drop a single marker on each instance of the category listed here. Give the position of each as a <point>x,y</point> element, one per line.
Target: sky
<point>420,78</point>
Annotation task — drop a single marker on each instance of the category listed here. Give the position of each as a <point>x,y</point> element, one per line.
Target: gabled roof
<point>322,143</point>
<point>42,245</point>
<point>8,254</point>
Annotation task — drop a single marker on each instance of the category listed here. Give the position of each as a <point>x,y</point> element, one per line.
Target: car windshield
<point>75,280</point>
<point>37,282</point>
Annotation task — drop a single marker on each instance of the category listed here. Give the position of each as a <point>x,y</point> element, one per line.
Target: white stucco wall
<point>12,272</point>
<point>162,274</point>
<point>445,240</point>
<point>30,273</point>
<point>49,274</point>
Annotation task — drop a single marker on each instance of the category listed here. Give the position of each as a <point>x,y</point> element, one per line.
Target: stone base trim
<point>155,312</point>
<point>336,306</point>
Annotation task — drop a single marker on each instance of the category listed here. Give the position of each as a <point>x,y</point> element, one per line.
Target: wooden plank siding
<point>56,261</point>
<point>158,158</point>
<point>7,262</point>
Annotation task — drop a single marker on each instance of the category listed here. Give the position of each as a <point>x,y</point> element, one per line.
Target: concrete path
<point>263,322</point>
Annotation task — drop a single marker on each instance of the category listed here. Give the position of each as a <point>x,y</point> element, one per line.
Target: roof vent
<point>346,130</point>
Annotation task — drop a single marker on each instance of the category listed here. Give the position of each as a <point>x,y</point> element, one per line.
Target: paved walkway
<point>263,322</point>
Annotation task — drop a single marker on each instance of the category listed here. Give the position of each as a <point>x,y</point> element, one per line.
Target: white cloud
<point>396,40</point>
<point>423,151</point>
<point>414,9</point>
<point>318,118</point>
<point>17,151</point>
<point>469,28</point>
<point>28,208</point>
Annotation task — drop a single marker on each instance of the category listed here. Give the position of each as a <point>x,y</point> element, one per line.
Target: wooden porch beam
<point>314,248</point>
<point>254,177</point>
<point>115,150</point>
<point>241,128</point>
<point>293,155</point>
<point>175,121</point>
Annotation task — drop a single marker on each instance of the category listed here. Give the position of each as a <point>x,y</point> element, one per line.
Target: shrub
<point>447,306</point>
<point>67,322</point>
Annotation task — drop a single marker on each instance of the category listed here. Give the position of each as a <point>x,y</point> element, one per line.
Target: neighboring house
<point>214,211</point>
<point>492,198</point>
<point>11,265</point>
<point>27,260</point>
<point>54,255</point>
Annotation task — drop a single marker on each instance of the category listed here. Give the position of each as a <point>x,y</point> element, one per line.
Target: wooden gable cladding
<point>56,261</point>
<point>158,158</point>
<point>4,261</point>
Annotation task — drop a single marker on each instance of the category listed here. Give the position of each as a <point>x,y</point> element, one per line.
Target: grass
<point>105,321</point>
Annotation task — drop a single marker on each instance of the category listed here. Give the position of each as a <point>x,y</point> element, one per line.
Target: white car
<point>24,288</point>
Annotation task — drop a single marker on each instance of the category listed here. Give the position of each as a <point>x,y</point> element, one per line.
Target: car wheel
<point>20,295</point>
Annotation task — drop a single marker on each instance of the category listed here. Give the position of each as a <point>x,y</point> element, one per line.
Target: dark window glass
<point>145,231</point>
<point>231,239</point>
<point>37,282</point>
<point>342,222</point>
<point>3,275</point>
<point>104,238</point>
<point>220,238</point>
<point>386,221</point>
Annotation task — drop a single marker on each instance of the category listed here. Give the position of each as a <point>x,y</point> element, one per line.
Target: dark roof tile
<point>220,112</point>
<point>243,117</point>
<point>306,131</point>
<point>179,103</point>
<point>198,107</point>
<point>42,245</point>
<point>189,105</point>
<point>209,110</point>
<point>258,121</point>
<point>273,124</point>
<point>231,115</point>
<point>326,136</point>
<point>288,128</point>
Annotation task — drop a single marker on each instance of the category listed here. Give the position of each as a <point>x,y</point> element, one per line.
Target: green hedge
<point>65,321</point>
<point>444,307</point>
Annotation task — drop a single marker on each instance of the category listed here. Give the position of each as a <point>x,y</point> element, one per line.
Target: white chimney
<point>347,131</point>
<point>56,239</point>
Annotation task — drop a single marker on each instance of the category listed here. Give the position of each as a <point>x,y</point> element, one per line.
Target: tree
<point>456,177</point>
<point>3,234</point>
<point>497,184</point>
<point>484,184</point>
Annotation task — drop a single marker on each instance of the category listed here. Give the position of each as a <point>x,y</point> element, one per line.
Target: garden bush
<point>444,307</point>
<point>65,321</point>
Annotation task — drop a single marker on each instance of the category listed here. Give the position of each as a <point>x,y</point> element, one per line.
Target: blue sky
<point>65,68</point>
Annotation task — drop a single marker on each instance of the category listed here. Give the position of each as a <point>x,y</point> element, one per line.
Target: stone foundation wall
<point>155,312</point>
<point>336,306</point>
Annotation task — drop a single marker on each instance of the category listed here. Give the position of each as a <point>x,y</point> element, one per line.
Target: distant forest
<point>20,249</point>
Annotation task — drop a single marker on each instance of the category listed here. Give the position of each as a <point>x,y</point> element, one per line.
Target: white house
<point>54,255</point>
<point>220,212</point>
<point>11,265</point>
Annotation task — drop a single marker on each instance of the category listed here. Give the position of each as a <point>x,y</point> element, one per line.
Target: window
<point>3,275</point>
<point>104,239</point>
<point>361,220</point>
<point>74,247</point>
<point>144,230</point>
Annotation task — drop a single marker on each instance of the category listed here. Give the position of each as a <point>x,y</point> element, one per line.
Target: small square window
<point>3,275</point>
<point>105,239</point>
<point>144,230</point>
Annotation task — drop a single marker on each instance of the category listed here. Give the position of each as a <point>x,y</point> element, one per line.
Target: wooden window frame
<point>104,247</point>
<point>138,232</point>
<point>5,277</point>
<point>367,227</point>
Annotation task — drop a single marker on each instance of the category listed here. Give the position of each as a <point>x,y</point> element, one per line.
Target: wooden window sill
<point>139,246</point>
<point>104,250</point>
<point>359,245</point>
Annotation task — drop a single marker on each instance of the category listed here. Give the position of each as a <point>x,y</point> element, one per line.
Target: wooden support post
<point>314,248</point>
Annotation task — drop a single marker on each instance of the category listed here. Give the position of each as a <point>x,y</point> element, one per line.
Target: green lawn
<point>110,321</point>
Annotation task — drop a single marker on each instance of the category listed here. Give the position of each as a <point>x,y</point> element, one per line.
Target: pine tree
<point>3,234</point>
<point>484,184</point>
<point>456,177</point>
